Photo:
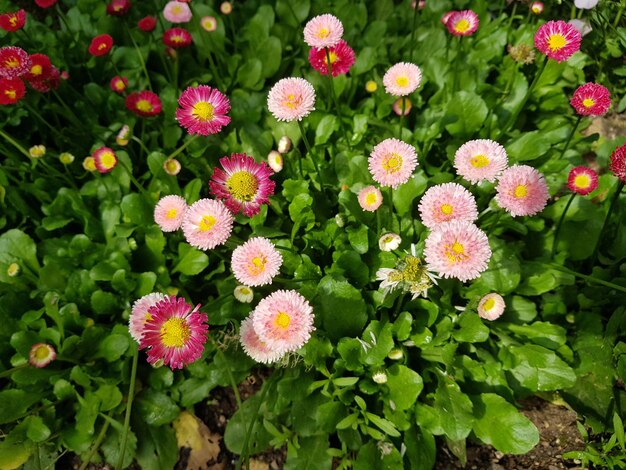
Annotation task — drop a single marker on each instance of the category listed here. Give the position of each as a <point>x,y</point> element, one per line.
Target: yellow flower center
<point>489,303</point>
<point>42,352</point>
<point>371,199</point>
<point>371,86</point>
<point>392,163</point>
<point>13,269</point>
<point>242,185</point>
<point>102,46</point>
<point>177,9</point>
<point>12,62</point>
<point>175,333</point>
<point>257,265</point>
<point>333,58</point>
<point>455,252</point>
<point>144,105</point>
<point>323,33</point>
<point>292,101</point>
<point>588,102</point>
<point>203,111</point>
<point>446,209</point>
<point>557,41</point>
<point>479,161</point>
<point>282,320</point>
<point>108,160</point>
<point>520,191</point>
<point>119,85</point>
<point>171,214</point>
<point>178,39</point>
<point>582,181</point>
<point>11,94</point>
<point>13,21</point>
<point>36,69</point>
<point>462,26</point>
<point>402,81</point>
<point>206,223</point>
<point>171,166</point>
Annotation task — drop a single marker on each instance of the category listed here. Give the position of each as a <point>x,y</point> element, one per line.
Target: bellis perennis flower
<point>341,58</point>
<point>323,31</point>
<point>558,40</point>
<point>203,110</point>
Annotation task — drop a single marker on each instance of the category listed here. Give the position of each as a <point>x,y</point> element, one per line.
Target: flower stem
<point>182,147</point>
<point>594,257</point>
<point>129,405</point>
<point>95,446</point>
<point>6,373</point>
<point>140,56</point>
<point>401,117</point>
<point>334,97</point>
<point>558,226</point>
<point>569,139</point>
<point>233,384</point>
<point>619,14</point>
<point>132,177</point>
<point>413,31</point>
<point>310,153</point>
<point>591,279</point>
<point>15,144</point>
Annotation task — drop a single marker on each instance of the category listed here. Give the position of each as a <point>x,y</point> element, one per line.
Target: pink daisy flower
<point>254,347</point>
<point>291,99</point>
<point>144,103</point>
<point>462,23</point>
<point>402,79</point>
<point>169,213</point>
<point>447,202</point>
<point>618,163</point>
<point>256,262</point>
<point>536,8</point>
<point>582,180</point>
<point>104,159</point>
<point>177,38</point>
<point>446,17</point>
<point>41,354</point>
<point>323,31</point>
<point>591,99</point>
<point>491,306</point>
<point>207,224</point>
<point>558,40</point>
<point>479,160</point>
<point>457,249</point>
<point>118,7</point>
<point>175,333</point>
<point>14,62</point>
<point>177,12</point>
<point>522,190</point>
<point>243,184</point>
<point>341,58</point>
<point>392,162</point>
<point>118,84</point>
<point>139,314</point>
<point>208,23</point>
<point>203,110</point>
<point>370,198</point>
<point>283,320</point>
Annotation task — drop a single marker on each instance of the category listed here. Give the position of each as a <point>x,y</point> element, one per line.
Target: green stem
<point>594,257</point>
<point>129,405</point>
<point>95,446</point>
<point>182,147</point>
<point>334,97</point>
<point>588,278</point>
<point>378,224</point>
<point>233,384</point>
<point>140,55</point>
<point>620,12</point>
<point>15,144</point>
<point>413,31</point>
<point>401,117</point>
<point>457,59</point>
<point>132,177</point>
<point>46,123</point>
<point>10,371</point>
<point>569,138</point>
<point>176,71</point>
<point>310,153</point>
<point>71,115</point>
<point>558,226</point>
<point>140,142</point>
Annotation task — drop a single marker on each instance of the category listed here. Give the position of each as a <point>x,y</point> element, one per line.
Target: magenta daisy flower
<point>462,23</point>
<point>522,190</point>
<point>291,99</point>
<point>479,160</point>
<point>446,17</point>
<point>256,262</point>
<point>144,103</point>
<point>491,306</point>
<point>447,202</point>
<point>139,314</point>
<point>41,354</point>
<point>170,212</point>
<point>558,40</point>
<point>243,184</point>
<point>618,163</point>
<point>175,333</point>
<point>591,99</point>
<point>370,198</point>
<point>14,62</point>
<point>177,12</point>
<point>402,79</point>
<point>457,249</point>
<point>177,38</point>
<point>392,162</point>
<point>582,180</point>
<point>207,224</point>
<point>203,110</point>
<point>254,347</point>
<point>104,159</point>
<point>323,31</point>
<point>341,58</point>
<point>283,320</point>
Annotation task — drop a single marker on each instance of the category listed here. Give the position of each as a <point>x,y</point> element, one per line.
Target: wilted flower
<point>41,354</point>
<point>389,242</point>
<point>410,275</point>
<point>582,180</point>
<point>37,151</point>
<point>522,53</point>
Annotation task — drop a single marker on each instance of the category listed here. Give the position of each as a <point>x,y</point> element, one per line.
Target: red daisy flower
<point>176,38</point>
<point>100,45</point>
<point>203,110</point>
<point>591,99</point>
<point>50,82</point>
<point>147,23</point>
<point>341,58</point>
<point>144,103</point>
<point>40,67</point>
<point>105,159</point>
<point>11,90</point>
<point>243,184</point>
<point>618,163</point>
<point>13,21</point>
<point>45,3</point>
<point>462,23</point>
<point>558,40</point>
<point>14,62</point>
<point>582,180</point>
<point>118,7</point>
<point>118,84</point>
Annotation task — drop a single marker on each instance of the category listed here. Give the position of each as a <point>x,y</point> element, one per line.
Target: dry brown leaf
<point>204,445</point>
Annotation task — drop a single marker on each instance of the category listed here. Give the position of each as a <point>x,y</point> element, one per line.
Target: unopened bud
<point>380,377</point>
<point>284,144</point>
<point>172,166</point>
<point>13,270</point>
<point>275,161</point>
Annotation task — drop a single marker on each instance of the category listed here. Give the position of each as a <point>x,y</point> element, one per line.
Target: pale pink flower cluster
<point>402,79</point>
<point>522,190</point>
<point>256,262</point>
<point>445,203</point>
<point>207,224</point>
<point>392,162</point>
<point>177,12</point>
<point>479,160</point>
<point>170,212</point>
<point>370,198</point>
<point>323,31</point>
<point>291,99</point>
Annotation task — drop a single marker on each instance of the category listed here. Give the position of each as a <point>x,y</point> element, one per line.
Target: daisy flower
<point>170,212</point>
<point>392,162</point>
<point>558,40</point>
<point>410,276</point>
<point>522,190</point>
<point>536,8</point>
<point>341,58</point>
<point>139,314</point>
<point>14,62</point>
<point>172,166</point>
<point>397,106</point>
<point>447,202</point>
<point>144,103</point>
<point>582,180</point>
<point>118,84</point>
<point>389,242</point>
<point>208,23</point>
<point>371,86</point>
<point>226,8</point>
<point>462,23</point>
<point>256,262</point>
<point>105,159</point>
<point>207,224</point>
<point>147,23</point>
<point>254,347</point>
<point>11,90</point>
<point>41,354</point>
<point>37,151</point>
<point>291,99</point>
<point>370,198</point>
<point>275,161</point>
<point>100,45</point>
<point>203,110</point>
<point>40,67</point>
<point>177,12</point>
<point>591,99</point>
<point>323,31</point>
<point>491,306</point>
<point>12,22</point>
<point>402,79</point>
<point>243,184</point>
<point>283,320</point>
<point>446,17</point>
<point>243,294</point>
<point>175,333</point>
<point>284,144</point>
<point>45,3</point>
<point>118,7</point>
<point>479,160</point>
<point>457,249</point>
<point>123,136</point>
<point>177,38</point>
<point>618,163</point>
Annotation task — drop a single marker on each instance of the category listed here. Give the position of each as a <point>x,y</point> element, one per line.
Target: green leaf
<point>104,303</point>
<point>404,196</point>
<point>454,408</point>
<point>136,210</point>
<point>342,308</point>
<point>325,129</point>
<point>358,238</point>
<point>269,52</point>
<point>113,347</point>
<point>87,413</point>
<point>542,333</point>
<point>528,146</point>
<point>156,408</point>
<point>237,428</point>
<point>37,430</point>
<point>538,368</point>
<point>14,403</point>
<point>370,457</point>
<point>311,455</point>
<point>112,445</point>
<point>420,448</point>
<point>191,261</point>
<point>471,329</point>
<point>16,245</point>
<point>404,386</point>
<point>109,395</point>
<point>470,111</point>
<point>157,447</point>
<point>517,435</point>
<point>384,424</point>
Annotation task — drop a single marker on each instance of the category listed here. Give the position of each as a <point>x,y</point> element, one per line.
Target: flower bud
<point>172,166</point>
<point>243,294</point>
<point>275,161</point>
<point>284,144</point>
<point>66,158</point>
<point>37,151</point>
<point>13,270</point>
<point>380,377</point>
